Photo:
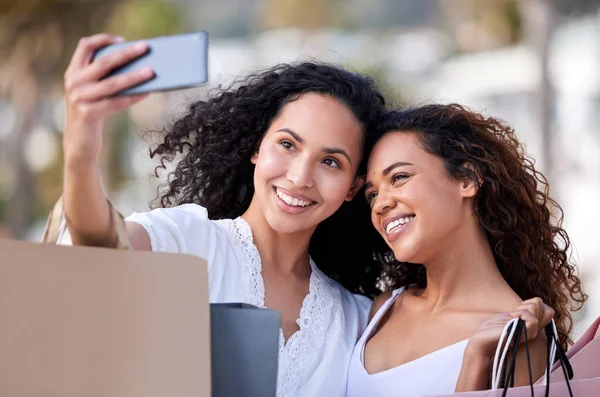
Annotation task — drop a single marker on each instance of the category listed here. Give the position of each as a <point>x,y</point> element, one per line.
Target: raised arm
<point>89,103</point>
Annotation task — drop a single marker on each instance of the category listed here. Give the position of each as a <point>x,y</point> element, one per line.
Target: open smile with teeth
<point>397,223</point>
<point>292,201</point>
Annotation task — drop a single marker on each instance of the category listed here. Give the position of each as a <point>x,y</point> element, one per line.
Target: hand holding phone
<point>178,61</point>
<point>107,75</point>
<point>89,100</point>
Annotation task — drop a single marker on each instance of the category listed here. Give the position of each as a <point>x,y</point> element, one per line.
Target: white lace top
<point>314,361</point>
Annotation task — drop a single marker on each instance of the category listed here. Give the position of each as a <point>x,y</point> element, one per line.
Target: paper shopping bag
<point>583,362</point>
<point>245,348</point>
<point>82,321</point>
<point>584,356</point>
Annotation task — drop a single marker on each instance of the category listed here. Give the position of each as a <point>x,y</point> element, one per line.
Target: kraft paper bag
<point>82,321</point>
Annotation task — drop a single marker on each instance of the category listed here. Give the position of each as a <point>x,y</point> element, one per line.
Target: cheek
<point>439,209</point>
<point>270,163</point>
<point>423,194</point>
<point>333,185</point>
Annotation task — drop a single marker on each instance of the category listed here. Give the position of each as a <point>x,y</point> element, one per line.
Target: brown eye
<point>331,162</point>
<point>399,176</point>
<point>287,144</point>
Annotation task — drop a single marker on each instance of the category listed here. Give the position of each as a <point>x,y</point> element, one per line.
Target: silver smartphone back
<point>178,61</point>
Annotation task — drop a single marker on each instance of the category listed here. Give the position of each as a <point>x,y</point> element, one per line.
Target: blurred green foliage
<point>37,39</point>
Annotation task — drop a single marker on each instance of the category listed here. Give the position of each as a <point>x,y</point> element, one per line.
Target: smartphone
<point>179,61</point>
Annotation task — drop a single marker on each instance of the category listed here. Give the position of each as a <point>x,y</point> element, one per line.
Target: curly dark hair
<point>214,141</point>
<point>522,223</point>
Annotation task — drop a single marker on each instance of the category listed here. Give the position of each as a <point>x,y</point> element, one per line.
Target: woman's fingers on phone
<point>111,86</point>
<point>87,46</point>
<point>106,64</point>
<point>77,72</point>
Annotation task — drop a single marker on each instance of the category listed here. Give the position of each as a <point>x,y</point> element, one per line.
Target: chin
<point>284,225</point>
<point>404,258</point>
<point>404,253</point>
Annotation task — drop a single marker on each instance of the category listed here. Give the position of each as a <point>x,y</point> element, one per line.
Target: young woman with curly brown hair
<point>263,189</point>
<point>473,240</point>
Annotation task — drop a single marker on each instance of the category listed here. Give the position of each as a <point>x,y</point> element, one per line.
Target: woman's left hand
<point>477,360</point>
<point>534,312</point>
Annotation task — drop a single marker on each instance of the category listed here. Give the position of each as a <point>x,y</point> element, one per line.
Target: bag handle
<point>565,365</point>
<point>508,374</point>
<point>511,334</point>
<point>56,225</point>
<point>507,335</point>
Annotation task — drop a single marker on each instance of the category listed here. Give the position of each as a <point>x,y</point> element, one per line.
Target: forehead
<point>320,119</point>
<point>393,147</point>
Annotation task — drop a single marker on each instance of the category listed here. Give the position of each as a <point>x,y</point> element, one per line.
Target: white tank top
<point>433,374</point>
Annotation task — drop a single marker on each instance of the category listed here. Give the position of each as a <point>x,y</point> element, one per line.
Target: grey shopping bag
<point>244,350</point>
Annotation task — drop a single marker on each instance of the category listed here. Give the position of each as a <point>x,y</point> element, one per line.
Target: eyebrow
<point>395,165</point>
<point>388,170</point>
<point>325,150</point>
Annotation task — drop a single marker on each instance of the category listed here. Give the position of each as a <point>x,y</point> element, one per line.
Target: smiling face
<point>307,162</point>
<point>415,206</point>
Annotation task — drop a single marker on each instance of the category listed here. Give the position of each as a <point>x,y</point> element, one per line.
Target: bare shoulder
<point>138,236</point>
<point>496,302</point>
<point>378,302</point>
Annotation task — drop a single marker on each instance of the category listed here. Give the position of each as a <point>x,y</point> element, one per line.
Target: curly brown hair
<point>522,223</point>
<point>212,143</point>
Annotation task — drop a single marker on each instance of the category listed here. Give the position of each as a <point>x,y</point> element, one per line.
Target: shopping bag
<point>245,348</point>
<point>584,356</point>
<point>578,387</point>
<point>82,321</point>
<point>576,373</point>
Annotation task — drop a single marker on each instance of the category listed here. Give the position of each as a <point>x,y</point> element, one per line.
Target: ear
<point>470,185</point>
<point>358,183</point>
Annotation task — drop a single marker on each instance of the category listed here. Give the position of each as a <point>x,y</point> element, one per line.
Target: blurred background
<point>533,63</point>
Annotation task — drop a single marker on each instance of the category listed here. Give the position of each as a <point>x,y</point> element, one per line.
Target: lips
<point>293,199</point>
<point>392,223</point>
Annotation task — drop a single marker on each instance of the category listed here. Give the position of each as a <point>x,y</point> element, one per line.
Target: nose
<point>300,173</point>
<point>384,201</point>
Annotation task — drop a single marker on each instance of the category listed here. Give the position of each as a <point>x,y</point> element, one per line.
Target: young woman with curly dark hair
<point>263,188</point>
<point>473,240</point>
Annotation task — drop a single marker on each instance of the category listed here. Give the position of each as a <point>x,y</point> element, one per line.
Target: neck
<point>463,272</point>
<point>281,252</point>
